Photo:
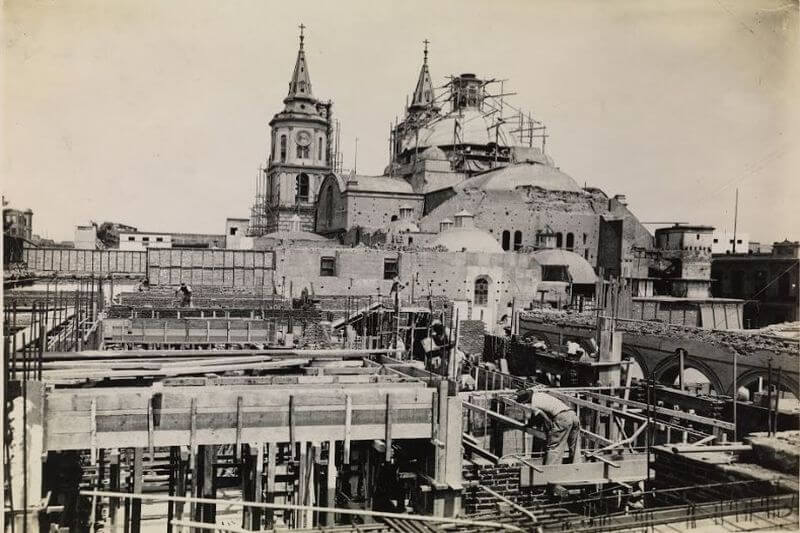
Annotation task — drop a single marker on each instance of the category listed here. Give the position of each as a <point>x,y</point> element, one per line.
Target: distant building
<point>236,234</point>
<point>141,240</point>
<point>767,281</point>
<point>685,254</point>
<point>86,237</point>
<point>727,243</point>
<point>18,223</point>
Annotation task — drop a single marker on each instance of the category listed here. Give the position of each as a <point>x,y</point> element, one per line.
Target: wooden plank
<point>348,421</point>
<point>239,419</point>
<point>388,438</point>
<point>136,505</point>
<point>292,429</point>
<point>93,431</point>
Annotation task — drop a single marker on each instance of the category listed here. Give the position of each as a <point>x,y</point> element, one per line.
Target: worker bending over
<point>559,422</point>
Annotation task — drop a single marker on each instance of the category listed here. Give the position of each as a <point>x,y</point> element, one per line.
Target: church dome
<point>468,240</point>
<point>475,128</point>
<point>523,175</point>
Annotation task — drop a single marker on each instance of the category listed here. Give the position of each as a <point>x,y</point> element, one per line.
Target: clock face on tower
<point>303,138</point>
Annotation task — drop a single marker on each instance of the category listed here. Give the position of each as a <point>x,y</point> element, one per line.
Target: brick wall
<point>503,479</point>
<point>370,210</point>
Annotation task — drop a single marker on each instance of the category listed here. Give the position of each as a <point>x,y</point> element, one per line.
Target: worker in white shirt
<point>557,420</point>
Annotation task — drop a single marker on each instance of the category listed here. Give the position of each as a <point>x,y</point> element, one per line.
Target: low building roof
<point>469,240</point>
<point>295,236</point>
<point>383,184</point>
<point>579,268</point>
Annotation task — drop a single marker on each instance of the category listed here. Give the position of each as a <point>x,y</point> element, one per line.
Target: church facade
<point>463,149</point>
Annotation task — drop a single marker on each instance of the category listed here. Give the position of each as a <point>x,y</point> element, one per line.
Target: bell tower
<point>300,155</point>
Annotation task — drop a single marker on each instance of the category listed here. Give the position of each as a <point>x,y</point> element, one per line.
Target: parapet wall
<point>68,260</point>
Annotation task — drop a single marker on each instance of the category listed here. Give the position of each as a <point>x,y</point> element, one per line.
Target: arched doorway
<point>697,376</point>
<point>754,384</point>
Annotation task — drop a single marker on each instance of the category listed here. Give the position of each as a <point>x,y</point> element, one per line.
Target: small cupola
<point>445,224</point>
<point>464,219</point>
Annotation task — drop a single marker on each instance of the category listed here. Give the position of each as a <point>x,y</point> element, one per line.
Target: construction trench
<point>126,412</point>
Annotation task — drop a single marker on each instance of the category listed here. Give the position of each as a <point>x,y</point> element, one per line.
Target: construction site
<point>471,341</point>
<point>128,410</point>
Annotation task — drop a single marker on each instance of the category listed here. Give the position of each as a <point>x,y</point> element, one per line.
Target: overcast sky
<point>154,113</point>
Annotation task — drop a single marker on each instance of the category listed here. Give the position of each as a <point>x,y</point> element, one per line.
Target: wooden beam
<point>388,438</point>
<point>348,421</point>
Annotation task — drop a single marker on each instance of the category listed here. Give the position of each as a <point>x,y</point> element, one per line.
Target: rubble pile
<point>742,341</point>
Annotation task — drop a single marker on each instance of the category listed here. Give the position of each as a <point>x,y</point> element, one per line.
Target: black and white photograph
<point>372,266</point>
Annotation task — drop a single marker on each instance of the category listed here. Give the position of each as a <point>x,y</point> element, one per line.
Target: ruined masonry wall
<point>375,211</point>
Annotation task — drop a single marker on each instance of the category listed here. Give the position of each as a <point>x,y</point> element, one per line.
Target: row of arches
<point>698,374</point>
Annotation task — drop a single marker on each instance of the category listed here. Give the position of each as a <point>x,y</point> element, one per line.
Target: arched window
<point>329,206</point>
<point>517,240</point>
<point>319,148</point>
<point>570,241</point>
<point>302,188</point>
<point>506,240</point>
<point>481,291</point>
<point>559,239</point>
<point>283,148</point>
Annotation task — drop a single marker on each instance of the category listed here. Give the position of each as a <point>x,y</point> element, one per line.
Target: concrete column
<point>330,496</point>
<point>114,508</point>
<point>447,477</point>
<point>25,455</point>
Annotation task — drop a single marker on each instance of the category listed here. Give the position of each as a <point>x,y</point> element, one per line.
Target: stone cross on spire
<point>300,84</point>
<point>302,27</point>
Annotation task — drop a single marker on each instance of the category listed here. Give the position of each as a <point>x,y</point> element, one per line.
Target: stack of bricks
<point>315,335</point>
<point>470,336</point>
<point>503,479</point>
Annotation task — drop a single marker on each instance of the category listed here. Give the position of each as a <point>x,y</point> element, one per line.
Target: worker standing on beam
<point>559,422</point>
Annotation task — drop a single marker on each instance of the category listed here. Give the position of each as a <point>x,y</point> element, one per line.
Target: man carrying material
<point>559,422</point>
<point>186,295</point>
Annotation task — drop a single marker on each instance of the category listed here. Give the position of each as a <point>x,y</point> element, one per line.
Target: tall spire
<point>423,94</point>
<point>300,85</point>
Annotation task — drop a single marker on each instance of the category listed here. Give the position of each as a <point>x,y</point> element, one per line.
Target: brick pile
<point>315,335</point>
<point>471,334</point>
